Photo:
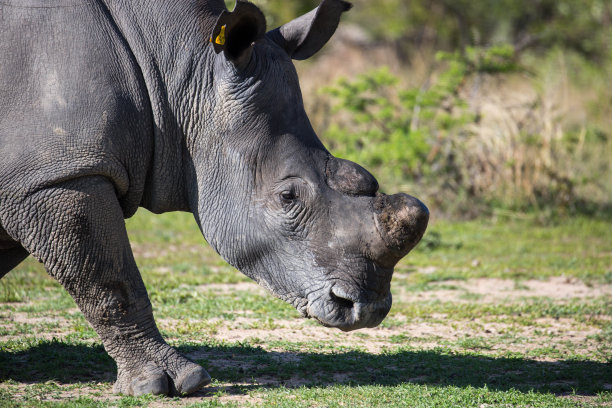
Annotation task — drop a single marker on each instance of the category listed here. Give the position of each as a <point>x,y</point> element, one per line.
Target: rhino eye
<point>288,196</point>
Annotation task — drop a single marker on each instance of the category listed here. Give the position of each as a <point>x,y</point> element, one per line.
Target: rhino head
<point>311,228</point>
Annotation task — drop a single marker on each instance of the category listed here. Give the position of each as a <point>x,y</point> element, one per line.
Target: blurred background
<point>476,107</point>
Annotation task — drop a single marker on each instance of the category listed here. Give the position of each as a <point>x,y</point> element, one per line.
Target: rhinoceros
<point>111,105</point>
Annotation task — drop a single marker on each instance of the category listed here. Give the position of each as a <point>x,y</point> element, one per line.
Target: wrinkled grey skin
<point>111,105</point>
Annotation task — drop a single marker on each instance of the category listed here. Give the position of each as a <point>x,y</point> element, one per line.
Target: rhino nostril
<point>341,299</point>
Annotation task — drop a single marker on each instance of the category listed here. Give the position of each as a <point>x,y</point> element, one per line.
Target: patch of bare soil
<point>496,335</point>
<point>225,288</point>
<point>493,337</point>
<point>65,392</point>
<point>47,327</point>
<point>491,290</point>
<point>103,393</point>
<point>587,400</point>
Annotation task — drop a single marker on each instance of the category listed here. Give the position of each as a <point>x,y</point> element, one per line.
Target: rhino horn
<point>401,221</point>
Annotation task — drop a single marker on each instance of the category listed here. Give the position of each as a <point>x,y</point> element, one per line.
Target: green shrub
<point>462,153</point>
<point>398,128</point>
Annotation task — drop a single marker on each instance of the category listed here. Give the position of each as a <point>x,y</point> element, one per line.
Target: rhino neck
<point>168,40</point>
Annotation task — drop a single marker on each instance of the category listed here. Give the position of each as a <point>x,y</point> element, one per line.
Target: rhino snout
<point>338,308</point>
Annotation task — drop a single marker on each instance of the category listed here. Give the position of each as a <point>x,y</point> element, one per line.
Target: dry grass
<point>534,141</point>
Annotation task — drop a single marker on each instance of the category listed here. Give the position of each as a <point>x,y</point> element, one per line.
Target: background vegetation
<point>474,106</point>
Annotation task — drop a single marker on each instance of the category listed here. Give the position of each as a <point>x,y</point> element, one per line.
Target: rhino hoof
<point>150,380</point>
<point>155,383</point>
<point>190,380</point>
<point>155,380</point>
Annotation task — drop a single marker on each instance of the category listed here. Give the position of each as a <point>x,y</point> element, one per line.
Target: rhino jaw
<point>335,307</point>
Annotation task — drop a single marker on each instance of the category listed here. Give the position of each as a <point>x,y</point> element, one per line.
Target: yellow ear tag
<point>221,37</point>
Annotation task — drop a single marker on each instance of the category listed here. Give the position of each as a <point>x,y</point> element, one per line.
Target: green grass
<point>441,345</point>
<point>518,249</point>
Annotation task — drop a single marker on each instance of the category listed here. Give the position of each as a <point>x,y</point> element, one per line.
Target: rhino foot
<point>157,381</point>
<point>191,379</point>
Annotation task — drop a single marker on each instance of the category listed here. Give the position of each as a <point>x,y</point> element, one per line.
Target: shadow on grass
<point>258,368</point>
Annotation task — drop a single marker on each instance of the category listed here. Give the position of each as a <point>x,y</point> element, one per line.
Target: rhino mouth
<point>336,307</point>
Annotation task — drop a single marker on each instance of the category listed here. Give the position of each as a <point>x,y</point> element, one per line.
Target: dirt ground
<point>423,334</point>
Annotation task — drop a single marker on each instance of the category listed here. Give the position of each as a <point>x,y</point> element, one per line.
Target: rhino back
<point>73,101</point>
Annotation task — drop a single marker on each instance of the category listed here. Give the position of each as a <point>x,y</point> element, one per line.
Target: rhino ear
<point>235,32</point>
<point>306,35</point>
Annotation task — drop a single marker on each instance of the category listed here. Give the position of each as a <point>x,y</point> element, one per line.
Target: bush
<point>466,150</point>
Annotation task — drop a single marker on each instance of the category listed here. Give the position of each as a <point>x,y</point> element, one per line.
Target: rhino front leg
<point>77,230</point>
